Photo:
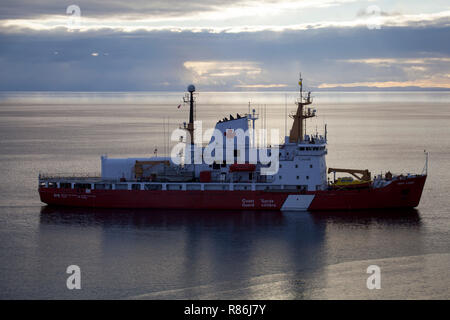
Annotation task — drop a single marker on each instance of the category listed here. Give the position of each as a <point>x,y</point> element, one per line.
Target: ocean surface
<point>158,254</point>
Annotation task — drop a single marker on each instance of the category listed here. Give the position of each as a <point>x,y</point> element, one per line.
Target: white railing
<point>78,176</point>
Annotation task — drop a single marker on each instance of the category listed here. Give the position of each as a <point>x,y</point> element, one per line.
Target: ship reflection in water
<point>404,217</point>
<point>161,254</point>
<point>152,217</point>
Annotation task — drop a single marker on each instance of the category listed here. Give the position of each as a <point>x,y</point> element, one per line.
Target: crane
<point>364,174</point>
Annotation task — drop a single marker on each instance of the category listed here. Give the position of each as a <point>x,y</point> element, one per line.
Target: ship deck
<point>98,183</point>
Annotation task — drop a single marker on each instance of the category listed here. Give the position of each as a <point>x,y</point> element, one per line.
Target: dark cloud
<point>155,60</point>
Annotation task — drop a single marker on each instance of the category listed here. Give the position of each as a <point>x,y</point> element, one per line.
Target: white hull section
<point>297,202</point>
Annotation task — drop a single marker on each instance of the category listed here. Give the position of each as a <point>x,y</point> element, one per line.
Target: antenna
<point>285,115</point>
<point>300,83</point>
<point>265,125</point>
<point>164,133</point>
<point>253,117</point>
<point>260,140</point>
<point>165,142</point>
<point>265,118</point>
<point>425,168</point>
<point>168,136</point>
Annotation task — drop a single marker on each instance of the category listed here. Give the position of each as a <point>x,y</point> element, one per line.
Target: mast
<point>190,98</point>
<point>298,130</point>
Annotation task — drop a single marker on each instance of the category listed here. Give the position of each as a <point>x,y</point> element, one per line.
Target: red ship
<point>288,176</point>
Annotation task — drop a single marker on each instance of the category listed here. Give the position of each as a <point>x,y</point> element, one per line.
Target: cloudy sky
<point>223,45</point>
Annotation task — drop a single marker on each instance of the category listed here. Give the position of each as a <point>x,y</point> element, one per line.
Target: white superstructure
<point>298,164</point>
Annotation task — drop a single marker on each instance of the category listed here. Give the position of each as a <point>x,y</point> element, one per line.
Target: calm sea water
<point>156,254</point>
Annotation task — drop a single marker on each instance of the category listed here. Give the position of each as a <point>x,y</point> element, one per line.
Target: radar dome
<point>191,88</point>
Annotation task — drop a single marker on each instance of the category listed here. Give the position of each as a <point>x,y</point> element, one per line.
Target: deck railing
<point>72,175</point>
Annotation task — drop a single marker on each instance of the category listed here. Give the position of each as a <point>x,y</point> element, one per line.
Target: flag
<point>299,83</point>
<point>179,106</point>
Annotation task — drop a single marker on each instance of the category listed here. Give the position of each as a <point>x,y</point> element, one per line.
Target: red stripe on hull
<point>401,193</point>
<point>171,199</point>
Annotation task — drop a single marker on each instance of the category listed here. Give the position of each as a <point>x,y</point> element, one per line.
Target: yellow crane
<point>364,175</point>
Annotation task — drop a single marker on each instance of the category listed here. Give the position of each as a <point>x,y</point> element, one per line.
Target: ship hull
<point>405,193</point>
